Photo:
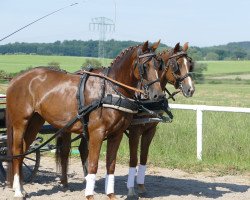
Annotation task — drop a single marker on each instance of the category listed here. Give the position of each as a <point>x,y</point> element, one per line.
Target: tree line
<point>231,51</point>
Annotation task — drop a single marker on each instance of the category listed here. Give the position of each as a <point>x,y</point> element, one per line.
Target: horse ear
<point>155,45</point>
<point>177,47</point>
<point>185,47</point>
<point>145,46</point>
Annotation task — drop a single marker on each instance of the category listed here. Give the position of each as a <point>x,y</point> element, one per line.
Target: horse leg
<point>63,144</point>
<point>113,144</point>
<point>34,125</point>
<point>145,143</point>
<point>18,148</point>
<point>134,137</point>
<point>83,149</point>
<point>95,143</point>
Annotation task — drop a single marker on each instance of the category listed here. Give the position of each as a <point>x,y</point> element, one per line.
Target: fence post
<point>199,133</point>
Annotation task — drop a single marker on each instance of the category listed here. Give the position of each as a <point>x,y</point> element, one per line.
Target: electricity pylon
<point>103,25</point>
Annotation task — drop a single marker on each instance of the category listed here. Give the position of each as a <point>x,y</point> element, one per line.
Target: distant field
<point>15,63</point>
<point>227,67</point>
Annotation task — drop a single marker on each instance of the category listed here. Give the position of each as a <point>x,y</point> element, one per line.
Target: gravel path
<point>161,184</point>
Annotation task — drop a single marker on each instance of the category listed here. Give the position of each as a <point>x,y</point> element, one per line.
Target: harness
<point>116,101</point>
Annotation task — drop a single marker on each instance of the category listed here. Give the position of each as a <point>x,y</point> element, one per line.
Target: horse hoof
<point>90,197</point>
<point>141,189</point>
<point>64,185</point>
<point>19,197</point>
<point>131,192</point>
<point>112,196</point>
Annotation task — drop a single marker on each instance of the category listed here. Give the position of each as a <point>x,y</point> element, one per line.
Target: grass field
<point>16,63</point>
<point>226,136</point>
<point>226,67</point>
<point>226,139</point>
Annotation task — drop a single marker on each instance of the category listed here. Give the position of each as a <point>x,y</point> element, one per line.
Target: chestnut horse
<point>176,69</point>
<point>177,66</point>
<point>42,94</point>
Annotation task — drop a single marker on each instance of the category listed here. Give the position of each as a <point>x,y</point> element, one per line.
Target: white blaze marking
<point>189,79</point>
<point>156,73</point>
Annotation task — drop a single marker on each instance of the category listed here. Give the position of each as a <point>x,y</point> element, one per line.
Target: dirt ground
<point>161,184</point>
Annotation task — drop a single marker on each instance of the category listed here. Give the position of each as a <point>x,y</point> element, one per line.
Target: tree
<point>198,75</point>
<point>212,56</point>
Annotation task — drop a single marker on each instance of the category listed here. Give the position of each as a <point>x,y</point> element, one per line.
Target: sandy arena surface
<point>161,184</point>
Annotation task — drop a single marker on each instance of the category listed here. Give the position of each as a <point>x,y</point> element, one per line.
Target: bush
<point>54,64</point>
<point>198,75</point>
<point>238,78</point>
<point>95,63</point>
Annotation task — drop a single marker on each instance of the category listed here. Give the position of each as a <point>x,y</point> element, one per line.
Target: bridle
<point>173,64</point>
<point>146,57</point>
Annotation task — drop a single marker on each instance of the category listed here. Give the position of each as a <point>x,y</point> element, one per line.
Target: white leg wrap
<point>131,177</point>
<point>90,184</point>
<point>141,174</point>
<point>17,186</point>
<point>109,183</point>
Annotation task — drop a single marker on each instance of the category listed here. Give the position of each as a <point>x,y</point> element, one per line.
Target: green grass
<point>218,95</point>
<point>226,67</point>
<point>16,63</point>
<point>226,136</point>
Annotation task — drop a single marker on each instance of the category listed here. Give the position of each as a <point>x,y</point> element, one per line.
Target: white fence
<point>199,109</point>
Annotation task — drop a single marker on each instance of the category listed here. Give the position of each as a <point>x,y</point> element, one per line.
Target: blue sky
<point>201,23</point>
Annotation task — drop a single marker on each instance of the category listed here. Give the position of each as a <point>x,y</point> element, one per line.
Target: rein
<point>113,81</point>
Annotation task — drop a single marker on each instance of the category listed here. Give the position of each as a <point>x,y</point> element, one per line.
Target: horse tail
<point>59,143</point>
<point>9,127</point>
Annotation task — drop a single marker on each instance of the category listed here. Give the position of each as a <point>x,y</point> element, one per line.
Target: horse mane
<point>170,51</point>
<point>123,53</point>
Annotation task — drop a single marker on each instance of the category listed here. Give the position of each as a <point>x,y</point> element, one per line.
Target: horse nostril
<point>155,96</point>
<point>190,91</point>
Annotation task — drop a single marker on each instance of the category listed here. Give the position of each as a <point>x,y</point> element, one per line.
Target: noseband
<point>172,63</point>
<point>142,70</point>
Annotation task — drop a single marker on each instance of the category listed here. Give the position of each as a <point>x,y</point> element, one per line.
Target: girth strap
<point>81,101</point>
<point>81,87</point>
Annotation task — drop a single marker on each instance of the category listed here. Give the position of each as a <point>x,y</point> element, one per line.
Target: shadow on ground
<point>157,186</point>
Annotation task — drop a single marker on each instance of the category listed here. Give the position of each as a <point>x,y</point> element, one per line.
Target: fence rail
<point>199,109</point>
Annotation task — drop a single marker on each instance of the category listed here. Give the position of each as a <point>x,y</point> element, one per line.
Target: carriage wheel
<point>31,164</point>
<point>30,167</point>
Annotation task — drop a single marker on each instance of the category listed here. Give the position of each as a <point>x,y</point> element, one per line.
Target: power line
<point>36,21</point>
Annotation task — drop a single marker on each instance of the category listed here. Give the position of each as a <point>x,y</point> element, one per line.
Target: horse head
<point>145,70</point>
<point>176,69</point>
